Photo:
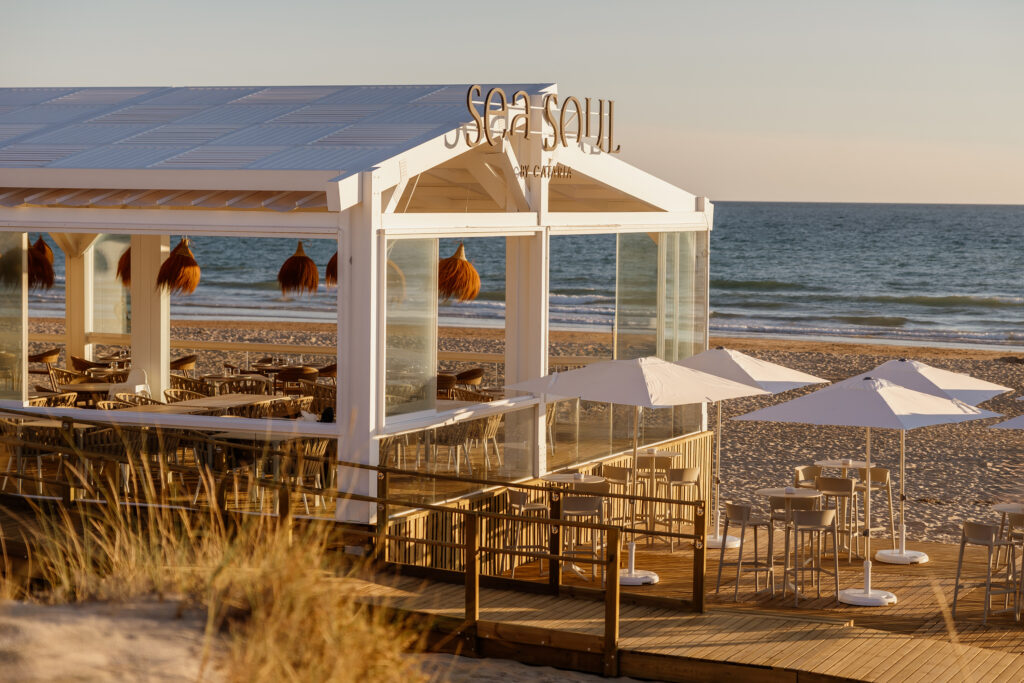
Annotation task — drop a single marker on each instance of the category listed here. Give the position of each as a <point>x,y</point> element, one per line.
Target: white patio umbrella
<point>1015,423</point>
<point>642,383</point>
<point>755,373</point>
<point>921,377</point>
<point>869,403</point>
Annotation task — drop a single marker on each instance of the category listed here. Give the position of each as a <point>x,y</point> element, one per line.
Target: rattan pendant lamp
<point>179,273</point>
<point>299,274</point>
<point>457,278</point>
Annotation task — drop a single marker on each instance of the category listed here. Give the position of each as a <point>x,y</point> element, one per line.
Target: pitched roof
<point>347,129</point>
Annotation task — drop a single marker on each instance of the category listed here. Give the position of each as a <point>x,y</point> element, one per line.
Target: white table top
<point>571,478</point>
<point>844,463</point>
<point>788,492</point>
<point>1012,508</point>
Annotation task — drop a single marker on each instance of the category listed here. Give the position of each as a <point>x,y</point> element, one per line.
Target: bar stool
<point>779,513</point>
<point>813,526</point>
<point>619,479</point>
<point>986,535</point>
<point>680,481</point>
<point>739,515</point>
<point>519,505</point>
<point>1011,528</point>
<point>805,476</point>
<point>841,492</point>
<point>580,509</point>
<point>652,470</point>
<point>880,480</point>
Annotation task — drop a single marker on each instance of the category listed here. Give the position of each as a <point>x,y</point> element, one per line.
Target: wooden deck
<point>758,637</point>
<point>724,642</point>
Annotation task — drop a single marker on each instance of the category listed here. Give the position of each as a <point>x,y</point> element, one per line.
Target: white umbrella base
<point>637,577</point>
<point>716,542</point>
<point>904,557</point>
<point>873,598</point>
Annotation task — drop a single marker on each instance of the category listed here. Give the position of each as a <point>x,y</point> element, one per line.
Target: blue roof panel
<point>337,128</point>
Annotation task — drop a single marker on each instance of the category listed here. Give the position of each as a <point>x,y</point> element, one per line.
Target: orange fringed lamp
<point>299,274</point>
<point>179,273</point>
<point>124,268</point>
<point>331,274</point>
<point>40,265</point>
<point>457,278</point>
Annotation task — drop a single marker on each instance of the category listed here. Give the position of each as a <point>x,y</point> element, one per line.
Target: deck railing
<point>475,549</point>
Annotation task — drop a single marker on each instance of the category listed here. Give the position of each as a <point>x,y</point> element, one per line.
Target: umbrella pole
<point>715,540</point>
<point>867,518</point>
<point>902,555</point>
<point>631,576</point>
<point>866,597</point>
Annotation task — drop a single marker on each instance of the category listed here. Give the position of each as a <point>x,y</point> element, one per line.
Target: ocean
<point>948,274</point>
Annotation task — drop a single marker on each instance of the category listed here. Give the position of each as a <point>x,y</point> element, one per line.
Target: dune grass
<point>276,603</point>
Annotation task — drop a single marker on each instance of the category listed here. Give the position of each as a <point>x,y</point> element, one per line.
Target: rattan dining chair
<point>176,395</point>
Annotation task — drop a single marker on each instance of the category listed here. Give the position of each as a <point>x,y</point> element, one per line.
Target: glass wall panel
<point>499,447</point>
<point>660,310</point>
<point>13,307</point>
<point>411,323</point>
<point>111,303</point>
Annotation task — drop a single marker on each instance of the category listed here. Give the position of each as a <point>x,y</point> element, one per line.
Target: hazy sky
<point>820,101</point>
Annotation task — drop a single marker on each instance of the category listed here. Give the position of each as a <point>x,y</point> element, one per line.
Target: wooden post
<point>610,656</point>
<point>284,513</point>
<point>555,543</point>
<point>472,546</point>
<point>380,549</point>
<point>699,549</point>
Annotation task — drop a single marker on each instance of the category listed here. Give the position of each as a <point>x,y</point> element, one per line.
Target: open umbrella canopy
<point>919,376</point>
<point>870,402</point>
<point>645,382</point>
<point>739,367</point>
<point>1015,423</point>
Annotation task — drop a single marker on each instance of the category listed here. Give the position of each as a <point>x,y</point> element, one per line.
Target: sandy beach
<point>954,472</point>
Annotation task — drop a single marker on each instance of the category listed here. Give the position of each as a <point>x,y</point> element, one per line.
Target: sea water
<point>902,272</point>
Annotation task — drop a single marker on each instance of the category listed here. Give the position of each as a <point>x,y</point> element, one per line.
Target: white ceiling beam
<point>626,218</point>
<point>166,179</point>
<point>608,170</point>
<point>306,224</point>
<point>459,221</point>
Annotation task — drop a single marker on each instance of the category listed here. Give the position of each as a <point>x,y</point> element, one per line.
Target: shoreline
<point>856,345</point>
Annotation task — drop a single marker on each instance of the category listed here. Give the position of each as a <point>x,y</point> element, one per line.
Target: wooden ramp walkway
<point>663,644</point>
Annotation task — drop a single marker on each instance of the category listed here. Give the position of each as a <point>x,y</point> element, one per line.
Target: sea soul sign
<point>573,120</point>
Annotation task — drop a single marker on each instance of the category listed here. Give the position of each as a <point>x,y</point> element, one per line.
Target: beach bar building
<point>385,172</point>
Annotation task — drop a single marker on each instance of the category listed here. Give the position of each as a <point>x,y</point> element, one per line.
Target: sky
<point>895,101</point>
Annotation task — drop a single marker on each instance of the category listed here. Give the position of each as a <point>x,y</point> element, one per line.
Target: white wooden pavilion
<point>379,169</point>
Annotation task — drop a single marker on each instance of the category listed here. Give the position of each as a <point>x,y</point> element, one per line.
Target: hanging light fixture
<point>40,265</point>
<point>179,273</point>
<point>299,274</point>
<point>124,267</point>
<point>457,278</point>
<point>331,274</point>
<point>10,268</point>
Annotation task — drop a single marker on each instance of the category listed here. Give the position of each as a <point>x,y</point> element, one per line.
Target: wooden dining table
<point>224,401</point>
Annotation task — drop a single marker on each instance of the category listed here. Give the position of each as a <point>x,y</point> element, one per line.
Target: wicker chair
<point>473,377</point>
<point>123,447</point>
<point>455,438</point>
<point>175,395</point>
<point>287,381</point>
<point>47,358</point>
<point>304,466</point>
<point>324,395</point>
<point>185,364</point>
<point>137,399</point>
<point>196,385</point>
<point>329,373</point>
<point>65,400</point>
<point>245,385</point>
<point>259,410</point>
<point>81,364</point>
<point>59,376</point>
<point>112,405</point>
<point>467,395</point>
